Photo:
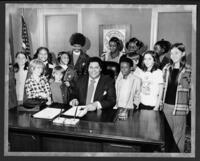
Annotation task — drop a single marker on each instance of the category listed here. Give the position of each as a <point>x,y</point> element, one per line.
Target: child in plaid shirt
<point>36,85</point>
<point>177,93</point>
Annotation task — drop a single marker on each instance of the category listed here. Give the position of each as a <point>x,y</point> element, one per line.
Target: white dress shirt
<point>124,86</point>
<point>76,56</point>
<point>95,86</point>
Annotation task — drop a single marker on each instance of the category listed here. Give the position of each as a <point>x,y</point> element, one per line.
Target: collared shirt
<point>45,62</point>
<point>124,89</point>
<point>183,92</point>
<point>95,86</point>
<point>138,72</point>
<point>34,88</point>
<point>76,56</point>
<point>64,66</point>
<point>77,53</point>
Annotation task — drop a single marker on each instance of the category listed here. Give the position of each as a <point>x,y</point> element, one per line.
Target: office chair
<point>111,68</point>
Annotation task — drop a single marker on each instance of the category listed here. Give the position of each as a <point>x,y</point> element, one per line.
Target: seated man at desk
<point>95,90</point>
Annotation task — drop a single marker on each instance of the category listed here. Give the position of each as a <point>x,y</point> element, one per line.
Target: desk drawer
<point>24,142</point>
<point>69,145</point>
<point>112,147</point>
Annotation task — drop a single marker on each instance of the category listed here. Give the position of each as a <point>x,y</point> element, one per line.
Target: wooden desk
<point>143,131</point>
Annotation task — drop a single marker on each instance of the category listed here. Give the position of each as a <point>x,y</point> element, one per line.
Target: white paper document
<point>47,113</point>
<point>65,121</point>
<point>59,120</point>
<point>81,111</point>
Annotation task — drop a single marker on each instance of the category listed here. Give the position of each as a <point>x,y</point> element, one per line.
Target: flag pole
<point>22,16</point>
<point>22,12</point>
<point>25,36</point>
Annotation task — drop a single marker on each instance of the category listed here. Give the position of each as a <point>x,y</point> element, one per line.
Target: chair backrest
<point>111,68</point>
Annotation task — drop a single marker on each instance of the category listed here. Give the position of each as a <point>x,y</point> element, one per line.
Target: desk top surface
<point>141,126</point>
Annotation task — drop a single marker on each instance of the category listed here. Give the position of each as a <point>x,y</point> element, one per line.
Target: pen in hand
<point>60,112</point>
<point>75,112</point>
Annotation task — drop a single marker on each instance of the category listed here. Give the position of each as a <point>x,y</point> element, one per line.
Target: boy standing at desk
<point>127,86</point>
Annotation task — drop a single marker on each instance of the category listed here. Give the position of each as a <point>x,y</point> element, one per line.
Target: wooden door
<point>176,27</point>
<point>58,31</point>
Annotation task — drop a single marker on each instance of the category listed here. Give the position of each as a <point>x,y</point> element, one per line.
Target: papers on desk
<point>47,113</point>
<point>81,111</point>
<point>65,121</point>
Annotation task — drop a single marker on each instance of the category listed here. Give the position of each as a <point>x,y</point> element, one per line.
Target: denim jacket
<point>183,93</point>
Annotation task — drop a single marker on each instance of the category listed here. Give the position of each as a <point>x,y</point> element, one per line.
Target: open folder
<point>76,111</point>
<point>47,113</point>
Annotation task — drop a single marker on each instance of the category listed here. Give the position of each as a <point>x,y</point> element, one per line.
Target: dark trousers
<point>145,107</point>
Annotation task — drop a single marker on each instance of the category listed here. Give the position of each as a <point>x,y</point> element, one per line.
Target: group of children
<point>164,83</point>
<point>42,79</point>
<point>156,79</point>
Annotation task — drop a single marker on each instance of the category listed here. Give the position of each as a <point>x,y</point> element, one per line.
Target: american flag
<point>25,38</point>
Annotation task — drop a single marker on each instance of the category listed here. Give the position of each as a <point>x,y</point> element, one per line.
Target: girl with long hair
<point>176,98</point>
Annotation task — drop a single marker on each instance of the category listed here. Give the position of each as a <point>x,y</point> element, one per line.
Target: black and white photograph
<point>100,80</point>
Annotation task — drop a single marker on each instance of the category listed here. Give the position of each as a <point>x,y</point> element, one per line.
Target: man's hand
<point>91,106</point>
<point>74,102</point>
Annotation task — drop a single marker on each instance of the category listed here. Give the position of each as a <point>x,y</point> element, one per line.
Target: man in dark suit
<point>95,90</point>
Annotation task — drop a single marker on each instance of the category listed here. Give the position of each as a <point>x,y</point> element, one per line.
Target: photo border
<point>194,79</point>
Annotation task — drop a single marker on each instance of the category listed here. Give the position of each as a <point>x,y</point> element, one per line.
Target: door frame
<point>43,13</point>
<point>171,9</point>
<point>154,31</point>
